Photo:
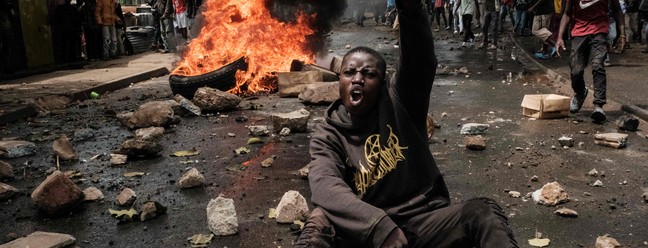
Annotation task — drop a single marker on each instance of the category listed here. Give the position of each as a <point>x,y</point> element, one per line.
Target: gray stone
<point>566,141</point>
<point>628,123</point>
<point>597,183</point>
<point>63,149</point>
<point>187,107</point>
<point>551,194</point>
<point>474,128</point>
<point>118,159</point>
<point>645,196</point>
<point>57,194</point>
<point>7,191</point>
<point>124,118</point>
<point>284,131</point>
<point>291,207</point>
<point>297,121</point>
<point>606,241</point>
<point>476,142</point>
<point>566,212</point>
<point>150,210</point>
<point>126,197</point>
<point>152,114</point>
<point>212,100</point>
<point>6,170</point>
<point>83,134</point>
<point>259,130</point>
<point>320,93</point>
<point>139,148</point>
<point>191,178</point>
<point>221,216</point>
<point>41,240</point>
<point>16,148</point>
<point>514,194</point>
<point>153,134</point>
<point>93,194</point>
<point>593,173</point>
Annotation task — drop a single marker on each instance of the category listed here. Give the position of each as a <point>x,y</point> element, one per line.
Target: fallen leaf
<point>272,213</point>
<point>134,174</point>
<point>242,150</point>
<point>299,223</point>
<point>254,140</point>
<point>72,174</point>
<point>267,162</point>
<point>539,242</point>
<point>123,215</point>
<point>185,153</point>
<point>200,240</point>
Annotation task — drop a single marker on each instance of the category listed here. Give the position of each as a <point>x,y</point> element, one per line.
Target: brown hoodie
<point>105,12</point>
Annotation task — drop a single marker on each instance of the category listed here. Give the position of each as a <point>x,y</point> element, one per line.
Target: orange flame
<point>235,28</point>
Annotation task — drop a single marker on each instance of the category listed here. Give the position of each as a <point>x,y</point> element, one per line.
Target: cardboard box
<point>545,106</point>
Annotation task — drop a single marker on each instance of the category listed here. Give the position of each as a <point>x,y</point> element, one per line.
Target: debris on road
<point>134,174</point>
<point>16,148</point>
<point>139,148</point>
<point>213,100</point>
<point>615,140</point>
<point>152,134</point>
<point>6,171</point>
<point>83,134</point>
<point>118,159</point>
<point>200,240</point>
<point>514,194</point>
<point>566,141</point>
<point>7,191</point>
<point>150,210</point>
<point>303,172</point>
<point>259,130</point>
<point>320,93</point>
<point>254,140</point>
<point>267,162</point>
<point>242,150</point>
<point>187,107</point>
<point>42,239</point>
<point>476,142</point>
<point>606,241</point>
<point>57,194</point>
<point>152,114</point>
<point>474,128</point>
<point>598,183</point>
<point>291,84</point>
<point>538,241</point>
<point>284,132</point>
<point>545,106</point>
<point>297,120</point>
<point>186,153</point>
<point>551,194</point>
<point>221,216</point>
<point>93,194</point>
<point>63,149</point>
<point>292,207</point>
<point>593,173</point>
<point>126,197</point>
<point>645,196</point>
<point>628,123</point>
<point>190,179</point>
<point>123,215</point>
<point>566,212</point>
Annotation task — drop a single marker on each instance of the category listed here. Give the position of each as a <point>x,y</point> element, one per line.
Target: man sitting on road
<point>373,178</point>
<point>589,30</point>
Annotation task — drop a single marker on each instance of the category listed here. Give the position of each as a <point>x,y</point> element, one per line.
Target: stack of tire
<point>223,79</point>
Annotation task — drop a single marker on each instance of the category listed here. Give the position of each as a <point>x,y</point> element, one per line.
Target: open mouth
<point>356,94</point>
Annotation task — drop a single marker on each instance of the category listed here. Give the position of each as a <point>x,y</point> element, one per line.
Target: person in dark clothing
<point>6,37</point>
<point>68,18</point>
<point>373,179</point>
<point>160,13</point>
<point>521,7</point>
<point>91,30</point>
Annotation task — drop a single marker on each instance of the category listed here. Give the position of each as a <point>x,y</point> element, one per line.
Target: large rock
<point>63,148</point>
<point>212,100</point>
<point>292,207</point>
<point>321,93</point>
<point>297,121</point>
<point>291,84</point>
<point>126,197</point>
<point>57,194</point>
<point>221,216</point>
<point>606,241</point>
<point>140,148</point>
<point>474,128</point>
<point>191,178</point>
<point>41,240</point>
<point>93,194</point>
<point>124,119</point>
<point>153,134</point>
<point>476,142</point>
<point>551,194</point>
<point>7,191</point>
<point>187,107</point>
<point>16,148</point>
<point>628,123</point>
<point>6,170</point>
<point>152,114</point>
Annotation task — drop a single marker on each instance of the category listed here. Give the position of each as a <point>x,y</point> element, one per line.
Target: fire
<point>236,28</point>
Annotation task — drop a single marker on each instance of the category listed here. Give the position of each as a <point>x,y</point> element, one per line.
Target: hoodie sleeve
<point>98,10</point>
<point>417,64</point>
<point>367,224</point>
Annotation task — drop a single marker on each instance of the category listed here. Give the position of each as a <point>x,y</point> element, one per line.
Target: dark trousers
<point>490,16</point>
<point>467,23</point>
<point>589,49</point>
<point>6,41</point>
<point>94,43</point>
<point>440,12</point>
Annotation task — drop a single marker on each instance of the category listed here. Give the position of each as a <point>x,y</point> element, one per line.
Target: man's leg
<point>113,41</point>
<point>105,35</point>
<point>488,18</point>
<point>598,51</point>
<point>318,231</point>
<point>474,223</point>
<point>578,61</point>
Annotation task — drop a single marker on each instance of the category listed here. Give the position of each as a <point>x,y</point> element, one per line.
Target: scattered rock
<point>320,93</point>
<point>51,102</point>
<point>645,196</point>
<point>267,162</point>
<point>476,142</point>
<point>551,194</point>
<point>6,170</point>
<point>284,131</point>
<point>139,148</point>
<point>598,183</point>
<point>430,125</point>
<point>616,140</point>
<point>259,130</point>
<point>153,134</point>
<point>150,210</point>
<point>606,241</point>
<point>187,107</point>
<point>566,212</point>
<point>118,159</point>
<point>628,123</point>
<point>152,114</point>
<point>291,207</point>
<point>474,128</point>
<point>303,172</point>
<point>297,121</point>
<point>63,149</point>
<point>83,134</point>
<point>566,141</point>
<point>124,118</point>
<point>212,100</point>
<point>463,70</point>
<point>514,194</point>
<point>534,178</point>
<point>42,240</point>
<point>191,178</point>
<point>93,194</point>
<point>221,216</point>
<point>291,84</point>
<point>57,194</point>
<point>593,173</point>
<point>16,148</point>
<point>7,191</point>
<point>126,197</point>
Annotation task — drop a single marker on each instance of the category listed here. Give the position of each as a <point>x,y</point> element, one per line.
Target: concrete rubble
<point>291,84</point>
<point>140,148</point>
<point>615,140</point>
<point>297,120</point>
<point>126,197</point>
<point>57,194</point>
<point>150,210</point>
<point>152,114</point>
<point>628,123</point>
<point>320,93</point>
<point>16,148</point>
<point>476,142</point>
<point>6,171</point>
<point>606,241</point>
<point>63,149</point>
<point>566,141</point>
<point>474,128</point>
<point>153,134</point>
<point>304,171</point>
<point>118,159</point>
<point>284,132</point>
<point>551,194</point>
<point>292,207</point>
<point>186,107</point>
<point>7,191</point>
<point>221,216</point>
<point>93,194</point>
<point>190,179</point>
<point>42,240</point>
<point>566,212</point>
<point>124,118</point>
<point>514,194</point>
<point>213,100</point>
<point>259,130</point>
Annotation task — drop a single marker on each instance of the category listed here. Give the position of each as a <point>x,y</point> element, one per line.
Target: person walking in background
<point>468,8</point>
<point>120,28</point>
<point>491,15</point>
<point>506,10</point>
<point>439,11</point>
<point>106,18</point>
<point>590,23</point>
<point>91,30</point>
<point>521,7</point>
<point>159,12</point>
<point>457,19</point>
<point>68,18</point>
<point>181,20</point>
<point>631,21</point>
<point>543,10</point>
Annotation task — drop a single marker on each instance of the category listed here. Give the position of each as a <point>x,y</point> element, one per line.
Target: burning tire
<point>222,79</point>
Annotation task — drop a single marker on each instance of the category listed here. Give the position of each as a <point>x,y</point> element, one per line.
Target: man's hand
<point>395,239</point>
<point>560,43</point>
